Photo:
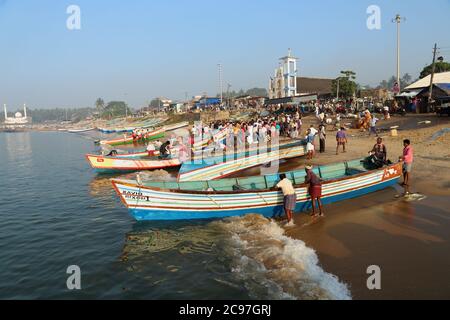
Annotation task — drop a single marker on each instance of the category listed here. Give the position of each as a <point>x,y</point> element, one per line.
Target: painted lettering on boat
<point>135,195</point>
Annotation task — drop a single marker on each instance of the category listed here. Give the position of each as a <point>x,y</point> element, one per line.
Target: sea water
<point>56,212</point>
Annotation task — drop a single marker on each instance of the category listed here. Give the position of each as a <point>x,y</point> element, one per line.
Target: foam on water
<point>274,266</point>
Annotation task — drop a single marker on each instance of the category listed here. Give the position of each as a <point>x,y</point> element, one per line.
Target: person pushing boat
<point>290,198</point>
<point>314,190</point>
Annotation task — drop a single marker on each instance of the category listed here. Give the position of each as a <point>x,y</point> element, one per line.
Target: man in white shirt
<point>290,198</point>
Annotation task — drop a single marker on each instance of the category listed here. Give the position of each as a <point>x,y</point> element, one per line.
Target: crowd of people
<point>288,122</point>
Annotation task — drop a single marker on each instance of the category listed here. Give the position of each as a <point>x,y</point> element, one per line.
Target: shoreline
<point>405,239</point>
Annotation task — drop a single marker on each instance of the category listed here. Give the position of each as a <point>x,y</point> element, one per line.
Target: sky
<point>136,50</point>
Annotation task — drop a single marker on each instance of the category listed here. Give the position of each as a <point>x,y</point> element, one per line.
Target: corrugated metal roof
<point>443,77</point>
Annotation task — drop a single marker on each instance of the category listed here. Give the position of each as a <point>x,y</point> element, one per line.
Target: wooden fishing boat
<point>222,166</point>
<point>204,142</point>
<point>80,130</point>
<point>157,134</point>
<point>237,197</point>
<point>153,135</point>
<point>197,154</point>
<point>103,164</point>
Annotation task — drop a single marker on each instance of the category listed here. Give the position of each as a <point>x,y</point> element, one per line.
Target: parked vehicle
<point>443,109</point>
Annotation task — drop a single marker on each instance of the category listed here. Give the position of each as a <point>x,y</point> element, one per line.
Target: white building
<point>18,119</point>
<point>284,82</point>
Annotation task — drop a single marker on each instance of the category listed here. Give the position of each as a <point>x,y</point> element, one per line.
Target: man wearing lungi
<point>314,189</point>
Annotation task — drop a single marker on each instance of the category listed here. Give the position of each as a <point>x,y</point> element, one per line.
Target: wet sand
<point>409,241</point>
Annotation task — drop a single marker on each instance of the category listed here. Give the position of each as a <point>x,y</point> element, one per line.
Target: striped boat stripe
<point>240,206</point>
<point>253,199</point>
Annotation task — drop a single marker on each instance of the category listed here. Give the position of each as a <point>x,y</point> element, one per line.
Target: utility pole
<point>398,19</point>
<point>433,69</point>
<point>220,83</point>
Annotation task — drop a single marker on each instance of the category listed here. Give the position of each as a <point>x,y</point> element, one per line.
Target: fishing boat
<point>227,164</point>
<point>130,128</point>
<point>204,142</point>
<point>153,135</point>
<point>104,164</point>
<point>237,197</point>
<point>197,153</point>
<point>80,130</point>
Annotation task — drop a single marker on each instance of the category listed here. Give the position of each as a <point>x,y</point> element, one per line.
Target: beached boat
<point>131,127</point>
<point>153,135</point>
<point>227,164</point>
<point>197,153</point>
<point>204,142</point>
<point>236,197</point>
<point>103,164</point>
<point>80,130</point>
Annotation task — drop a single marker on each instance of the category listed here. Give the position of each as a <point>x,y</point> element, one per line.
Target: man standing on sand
<point>341,139</point>
<point>408,159</point>
<point>322,138</point>
<point>290,198</point>
<point>310,148</point>
<point>314,190</point>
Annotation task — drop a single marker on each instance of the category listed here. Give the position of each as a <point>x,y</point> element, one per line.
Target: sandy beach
<point>408,240</point>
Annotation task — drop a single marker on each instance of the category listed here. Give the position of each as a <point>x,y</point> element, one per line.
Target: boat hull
<point>119,165</point>
<point>146,203</point>
<point>220,169</point>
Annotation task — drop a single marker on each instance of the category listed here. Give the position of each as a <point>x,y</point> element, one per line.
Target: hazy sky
<point>138,49</point>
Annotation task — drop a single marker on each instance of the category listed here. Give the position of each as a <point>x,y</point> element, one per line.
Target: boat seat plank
<point>252,183</point>
<point>222,185</point>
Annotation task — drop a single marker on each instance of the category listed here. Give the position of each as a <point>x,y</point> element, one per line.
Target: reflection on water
<point>18,146</point>
<point>249,253</point>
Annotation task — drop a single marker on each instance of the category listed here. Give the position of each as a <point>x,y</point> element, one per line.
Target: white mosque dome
<point>18,115</point>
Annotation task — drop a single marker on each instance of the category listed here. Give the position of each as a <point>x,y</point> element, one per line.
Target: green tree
<point>440,67</point>
<point>100,105</point>
<point>116,109</point>
<point>155,103</point>
<point>406,80</point>
<point>257,92</point>
<point>347,85</point>
<point>389,84</point>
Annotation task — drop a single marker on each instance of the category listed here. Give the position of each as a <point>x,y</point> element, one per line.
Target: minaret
<point>25,110</point>
<point>6,113</point>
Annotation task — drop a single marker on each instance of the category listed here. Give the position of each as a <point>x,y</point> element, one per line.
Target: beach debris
<point>414,197</point>
<point>394,131</point>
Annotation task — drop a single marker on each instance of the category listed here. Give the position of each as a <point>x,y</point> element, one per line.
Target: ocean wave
<point>274,266</point>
